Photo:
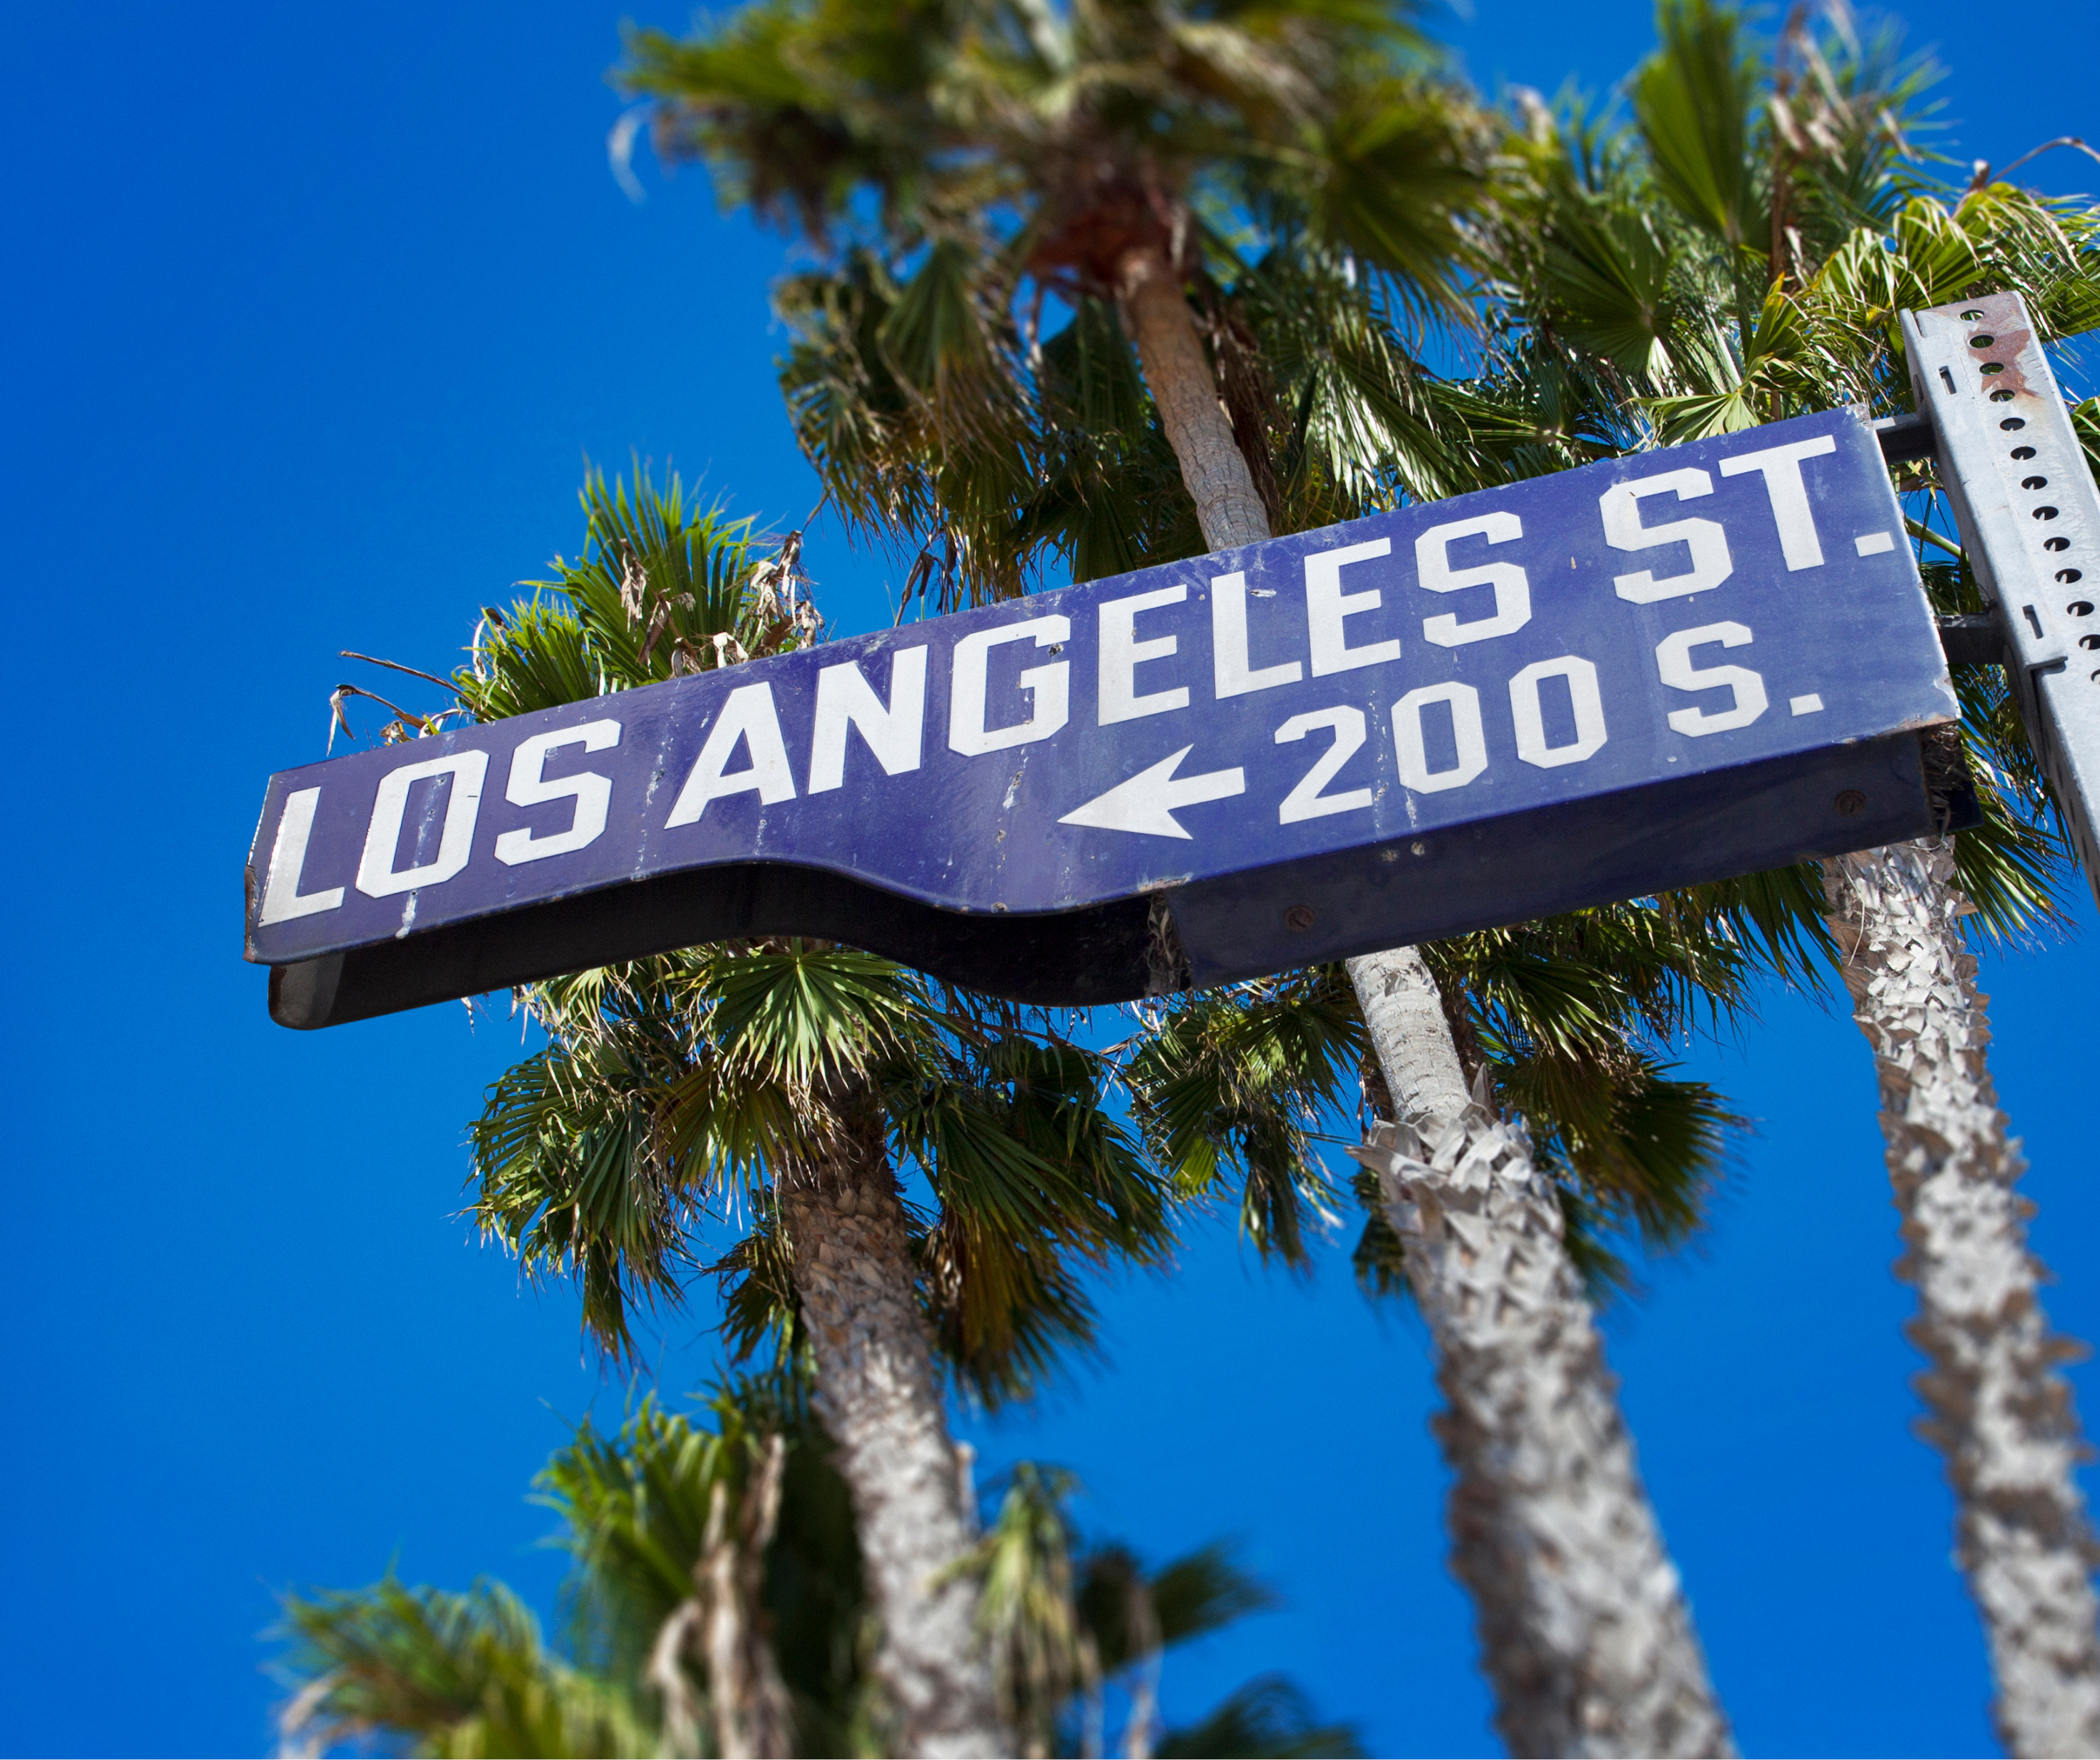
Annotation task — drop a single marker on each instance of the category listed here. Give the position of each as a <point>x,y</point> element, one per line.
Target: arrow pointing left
<point>1145,803</point>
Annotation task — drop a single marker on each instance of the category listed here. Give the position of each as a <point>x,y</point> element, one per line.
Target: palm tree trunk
<point>1587,1635</point>
<point>1228,506</point>
<point>1999,1412</point>
<point>877,1395</point>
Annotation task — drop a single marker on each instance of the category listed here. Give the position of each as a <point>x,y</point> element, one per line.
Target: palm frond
<point>1694,100</point>
<point>1267,1719</point>
<point>462,1674</point>
<point>1233,1084</point>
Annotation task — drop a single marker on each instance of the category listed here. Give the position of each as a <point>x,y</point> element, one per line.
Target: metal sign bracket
<point>2029,516</point>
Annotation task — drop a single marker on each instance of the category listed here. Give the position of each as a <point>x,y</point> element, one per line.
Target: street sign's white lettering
<point>1672,656</point>
<point>282,900</point>
<point>1117,697</point>
<point>1145,804</point>
<point>1433,562</point>
<point>1528,712</point>
<point>1439,717</point>
<point>1230,671</point>
<point>1410,743</point>
<point>1781,466</point>
<point>1048,688</point>
<point>1326,606</point>
<point>1307,800</point>
<point>528,787</point>
<point>893,731</point>
<point>1557,716</point>
<point>1711,563</point>
<point>376,875</point>
<point>747,719</point>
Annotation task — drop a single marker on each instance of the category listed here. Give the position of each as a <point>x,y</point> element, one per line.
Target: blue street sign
<point>1656,670</point>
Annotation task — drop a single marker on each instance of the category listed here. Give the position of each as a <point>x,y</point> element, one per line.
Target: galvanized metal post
<point>2029,517</point>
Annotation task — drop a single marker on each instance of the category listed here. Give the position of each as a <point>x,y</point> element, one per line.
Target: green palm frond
<point>1063,1619</point>
<point>663,587</point>
<point>1186,1597</point>
<point>1605,272</point>
<point>636,1509</point>
<point>914,404</point>
<point>1007,1314</point>
<point>1397,163</point>
<point>1378,1261</point>
<point>1572,985</point>
<point>1741,327</point>
<point>575,1175</point>
<point>1041,1652</point>
<point>1634,1150</point>
<point>644,1512</point>
<point>808,1013</point>
<point>939,345</point>
<point>1776,917</point>
<point>760,1305</point>
<point>956,164</point>
<point>1267,1719</point>
<point>780,130</point>
<point>641,1511</point>
<point>458,1674</point>
<point>1694,101</point>
<point>1032,1178</point>
<point>1231,1085</point>
<point>539,656</point>
<point>675,1090</point>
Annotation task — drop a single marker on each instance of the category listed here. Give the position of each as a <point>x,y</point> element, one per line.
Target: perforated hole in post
<point>2002,396</point>
<point>2022,452</point>
<point>2034,483</point>
<point>2013,423</point>
<point>2055,543</point>
<point>2080,607</point>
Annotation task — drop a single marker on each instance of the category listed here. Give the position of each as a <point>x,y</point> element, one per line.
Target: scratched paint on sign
<point>1638,653</point>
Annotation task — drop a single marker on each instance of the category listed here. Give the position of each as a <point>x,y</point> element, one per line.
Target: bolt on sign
<point>1649,672</point>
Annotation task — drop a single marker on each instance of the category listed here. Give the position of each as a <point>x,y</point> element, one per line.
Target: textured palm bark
<point>1999,1412</point>
<point>753,1719</point>
<point>1215,470</point>
<point>719,1627</point>
<point>1584,1627</point>
<point>879,1398</point>
<point>1586,1636</point>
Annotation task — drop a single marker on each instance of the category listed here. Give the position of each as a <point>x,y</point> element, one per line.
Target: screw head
<point>1849,801</point>
<point>1298,918</point>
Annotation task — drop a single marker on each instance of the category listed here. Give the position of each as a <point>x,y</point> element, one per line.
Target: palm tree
<point>980,156</point>
<point>1740,259</point>
<point>780,1077</point>
<point>718,1603</point>
<point>1067,1620</point>
<point>1232,1089</point>
<point>784,1083</point>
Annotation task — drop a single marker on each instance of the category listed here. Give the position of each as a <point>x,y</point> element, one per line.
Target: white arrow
<point>1145,804</point>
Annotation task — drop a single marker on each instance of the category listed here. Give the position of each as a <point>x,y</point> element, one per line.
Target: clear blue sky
<point>310,318</point>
